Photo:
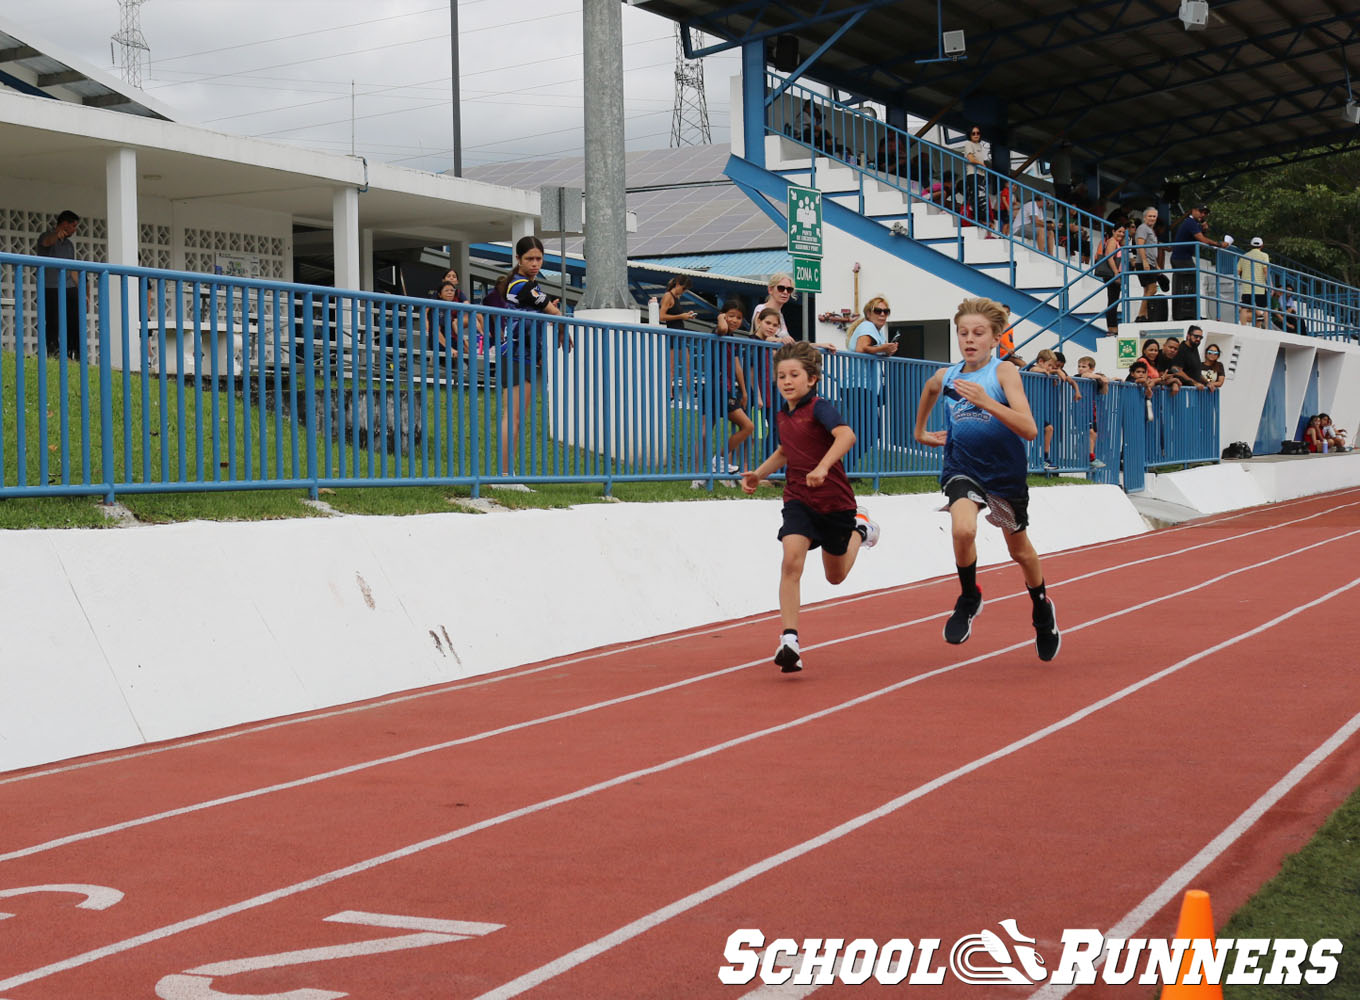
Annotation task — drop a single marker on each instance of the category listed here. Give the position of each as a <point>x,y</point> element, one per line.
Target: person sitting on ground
<point>1213,372</point>
<point>1334,436</point>
<point>1312,434</point>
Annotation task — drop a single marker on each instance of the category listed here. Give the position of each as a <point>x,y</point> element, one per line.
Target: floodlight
<point>954,44</point>
<point>1352,112</point>
<point>1194,14</point>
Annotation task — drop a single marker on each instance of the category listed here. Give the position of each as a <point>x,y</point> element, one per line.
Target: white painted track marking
<point>660,916</point>
<point>1179,880</point>
<point>512,674</point>
<point>579,956</point>
<point>611,702</point>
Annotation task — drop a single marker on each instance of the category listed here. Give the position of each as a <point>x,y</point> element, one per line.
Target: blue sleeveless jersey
<point>978,445</point>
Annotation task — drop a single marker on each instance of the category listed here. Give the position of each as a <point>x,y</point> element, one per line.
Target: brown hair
<point>804,353</point>
<point>991,311</point>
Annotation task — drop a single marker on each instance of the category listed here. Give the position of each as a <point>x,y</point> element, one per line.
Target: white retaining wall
<point>119,637</point>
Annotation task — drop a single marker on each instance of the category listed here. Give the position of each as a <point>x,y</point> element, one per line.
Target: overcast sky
<point>282,70</point>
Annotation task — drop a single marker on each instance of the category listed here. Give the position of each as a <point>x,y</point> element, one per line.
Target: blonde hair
<point>804,353</point>
<point>774,280</point>
<point>1086,359</point>
<point>1045,356</point>
<point>869,306</point>
<point>993,312</point>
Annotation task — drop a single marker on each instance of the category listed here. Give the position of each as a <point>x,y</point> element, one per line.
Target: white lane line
<point>368,864</point>
<point>598,655</point>
<point>1179,880</point>
<point>579,956</point>
<point>312,779</point>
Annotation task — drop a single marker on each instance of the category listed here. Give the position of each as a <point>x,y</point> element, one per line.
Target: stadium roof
<point>683,202</point>
<point>1123,80</point>
<point>34,66</point>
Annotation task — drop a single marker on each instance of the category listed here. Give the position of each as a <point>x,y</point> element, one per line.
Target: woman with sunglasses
<point>863,379</point>
<point>781,290</point>
<point>1212,368</point>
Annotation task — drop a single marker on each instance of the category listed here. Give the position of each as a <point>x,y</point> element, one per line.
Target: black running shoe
<point>1046,636</point>
<point>960,624</point>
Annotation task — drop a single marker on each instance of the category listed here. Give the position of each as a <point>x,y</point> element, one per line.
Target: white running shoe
<point>867,527</point>
<point>788,655</point>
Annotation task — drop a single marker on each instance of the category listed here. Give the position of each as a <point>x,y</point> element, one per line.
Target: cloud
<point>325,73</point>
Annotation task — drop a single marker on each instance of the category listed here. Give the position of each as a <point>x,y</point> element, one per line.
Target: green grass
<point>150,451</point>
<point>1315,895</point>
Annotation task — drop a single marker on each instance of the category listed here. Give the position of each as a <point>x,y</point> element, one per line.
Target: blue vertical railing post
<point>107,464</point>
<point>20,387</point>
<point>309,386</point>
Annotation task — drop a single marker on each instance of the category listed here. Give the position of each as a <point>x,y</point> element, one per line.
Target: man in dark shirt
<point>60,290</point>
<point>1188,359</point>
<point>1185,276</point>
<point>1169,360</point>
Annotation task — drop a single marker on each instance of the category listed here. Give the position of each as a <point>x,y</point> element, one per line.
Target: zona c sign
<point>807,274</point>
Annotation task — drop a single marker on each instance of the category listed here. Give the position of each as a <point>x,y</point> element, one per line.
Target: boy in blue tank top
<point>987,421</point>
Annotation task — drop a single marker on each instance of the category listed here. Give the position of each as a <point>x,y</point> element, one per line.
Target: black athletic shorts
<point>829,531</point>
<point>1010,514</point>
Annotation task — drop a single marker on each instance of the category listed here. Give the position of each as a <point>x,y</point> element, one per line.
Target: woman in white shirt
<point>781,290</point>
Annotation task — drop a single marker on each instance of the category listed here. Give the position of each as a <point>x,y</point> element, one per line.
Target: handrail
<point>916,168</point>
<point>844,128</point>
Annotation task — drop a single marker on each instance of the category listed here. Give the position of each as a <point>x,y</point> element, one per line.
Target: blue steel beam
<point>722,24</point>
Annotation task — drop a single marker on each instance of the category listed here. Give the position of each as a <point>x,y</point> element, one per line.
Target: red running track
<point>598,826</point>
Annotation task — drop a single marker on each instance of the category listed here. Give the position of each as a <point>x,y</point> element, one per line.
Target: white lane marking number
<point>196,983</point>
<point>97,897</point>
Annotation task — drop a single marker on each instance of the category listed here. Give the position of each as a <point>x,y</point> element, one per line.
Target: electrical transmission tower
<point>689,123</point>
<point>132,48</point>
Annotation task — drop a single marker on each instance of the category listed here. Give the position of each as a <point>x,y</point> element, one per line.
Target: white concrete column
<point>120,181</point>
<point>520,227</point>
<point>345,223</point>
<point>366,259</point>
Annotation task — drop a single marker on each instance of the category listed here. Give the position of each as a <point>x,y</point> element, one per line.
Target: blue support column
<point>753,101</point>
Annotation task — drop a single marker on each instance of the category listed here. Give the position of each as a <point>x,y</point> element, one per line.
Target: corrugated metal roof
<point>683,201</point>
<point>756,264</point>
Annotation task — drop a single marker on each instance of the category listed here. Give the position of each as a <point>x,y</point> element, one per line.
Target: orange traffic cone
<point>1196,921</point>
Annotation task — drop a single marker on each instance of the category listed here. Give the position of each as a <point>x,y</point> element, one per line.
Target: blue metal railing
<point>924,172</point>
<point>173,382</point>
<point>930,174</point>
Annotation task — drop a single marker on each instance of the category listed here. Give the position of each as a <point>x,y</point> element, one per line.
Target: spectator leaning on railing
<point>1185,280</point>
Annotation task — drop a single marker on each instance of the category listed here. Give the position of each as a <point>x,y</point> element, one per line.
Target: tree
<point>1309,211</point>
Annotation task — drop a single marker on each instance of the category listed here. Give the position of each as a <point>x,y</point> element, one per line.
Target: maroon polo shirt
<point>805,435</point>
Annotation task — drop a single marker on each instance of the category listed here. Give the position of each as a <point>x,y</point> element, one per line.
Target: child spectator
<point>1312,435</point>
<point>1086,368</point>
<point>987,421</point>
<point>729,390</point>
<point>819,505</point>
<point>1335,439</point>
<point>1047,362</point>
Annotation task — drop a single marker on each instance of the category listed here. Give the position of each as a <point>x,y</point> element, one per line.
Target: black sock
<point>1038,594</point>
<point>790,631</point>
<point>968,578</point>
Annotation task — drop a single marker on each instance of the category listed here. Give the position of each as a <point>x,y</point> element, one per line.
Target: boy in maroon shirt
<point>819,505</point>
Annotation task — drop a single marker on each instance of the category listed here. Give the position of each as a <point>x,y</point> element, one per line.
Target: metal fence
<point>166,382</point>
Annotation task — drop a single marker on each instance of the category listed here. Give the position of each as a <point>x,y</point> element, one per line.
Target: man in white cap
<point>1252,270</point>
